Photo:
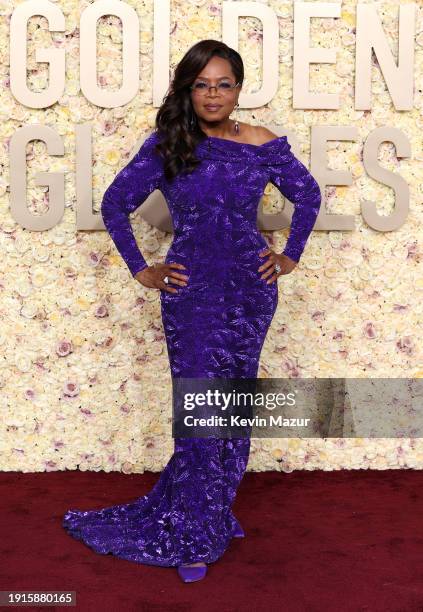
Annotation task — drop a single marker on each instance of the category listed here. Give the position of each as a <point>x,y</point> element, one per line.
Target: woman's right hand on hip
<point>153,276</point>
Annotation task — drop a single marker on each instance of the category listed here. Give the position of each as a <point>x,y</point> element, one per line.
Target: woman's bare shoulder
<point>258,134</point>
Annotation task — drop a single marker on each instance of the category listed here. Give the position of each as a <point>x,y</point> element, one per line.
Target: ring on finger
<point>166,280</point>
<point>277,268</point>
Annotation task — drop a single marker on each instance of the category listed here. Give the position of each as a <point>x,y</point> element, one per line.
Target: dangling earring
<point>192,122</point>
<point>236,121</point>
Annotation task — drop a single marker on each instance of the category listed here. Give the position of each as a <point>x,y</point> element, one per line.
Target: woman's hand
<point>268,268</point>
<point>153,276</point>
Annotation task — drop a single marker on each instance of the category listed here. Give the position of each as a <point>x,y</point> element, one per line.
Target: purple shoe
<point>239,532</point>
<point>192,574</point>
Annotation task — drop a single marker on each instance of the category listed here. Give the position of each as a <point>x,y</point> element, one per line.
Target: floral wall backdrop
<point>84,373</point>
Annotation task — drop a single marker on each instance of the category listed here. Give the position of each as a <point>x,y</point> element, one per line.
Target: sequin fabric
<point>214,328</point>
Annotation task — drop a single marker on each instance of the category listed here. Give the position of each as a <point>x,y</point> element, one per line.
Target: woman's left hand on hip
<point>269,270</point>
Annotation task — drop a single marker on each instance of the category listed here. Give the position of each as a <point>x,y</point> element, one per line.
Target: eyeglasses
<point>224,87</point>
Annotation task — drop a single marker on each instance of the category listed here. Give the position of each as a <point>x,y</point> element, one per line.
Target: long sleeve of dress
<point>296,183</point>
<point>129,189</point>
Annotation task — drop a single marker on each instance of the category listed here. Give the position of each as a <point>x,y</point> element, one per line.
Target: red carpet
<point>316,541</point>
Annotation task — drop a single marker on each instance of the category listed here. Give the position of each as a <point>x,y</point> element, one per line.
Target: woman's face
<point>214,105</point>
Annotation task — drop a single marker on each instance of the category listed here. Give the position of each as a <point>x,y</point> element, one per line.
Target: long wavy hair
<point>173,119</point>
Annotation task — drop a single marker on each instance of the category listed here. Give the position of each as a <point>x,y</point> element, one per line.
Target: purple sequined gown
<point>214,327</point>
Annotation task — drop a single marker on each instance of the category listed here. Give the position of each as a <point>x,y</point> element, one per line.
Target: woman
<point>218,291</point>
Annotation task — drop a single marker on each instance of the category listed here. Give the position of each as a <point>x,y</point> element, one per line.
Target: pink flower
<point>108,127</point>
<point>413,250</point>
<point>94,259</point>
<point>70,272</point>
<point>101,311</point>
<point>405,345</point>
<point>64,348</point>
<point>71,389</point>
<point>50,465</point>
<point>400,307</point>
<point>369,330</point>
